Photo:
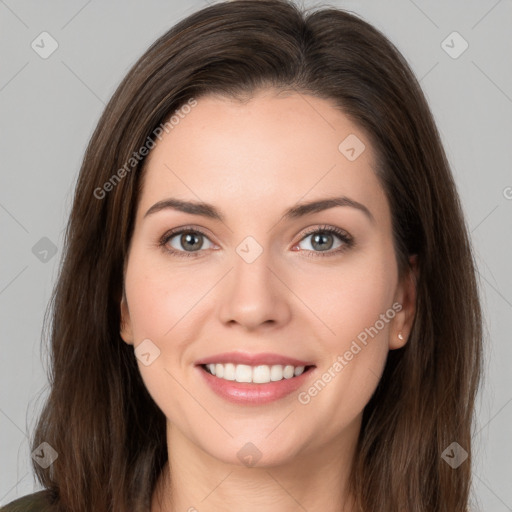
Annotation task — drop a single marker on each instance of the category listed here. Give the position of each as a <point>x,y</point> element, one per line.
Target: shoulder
<point>40,501</point>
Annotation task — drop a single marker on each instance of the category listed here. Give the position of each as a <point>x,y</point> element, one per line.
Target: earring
<point>400,337</point>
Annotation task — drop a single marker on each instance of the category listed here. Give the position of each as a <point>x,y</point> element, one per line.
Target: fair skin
<point>253,161</point>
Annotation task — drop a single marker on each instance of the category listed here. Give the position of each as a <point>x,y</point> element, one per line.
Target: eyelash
<point>348,241</point>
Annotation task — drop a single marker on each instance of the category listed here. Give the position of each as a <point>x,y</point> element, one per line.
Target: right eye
<point>183,241</point>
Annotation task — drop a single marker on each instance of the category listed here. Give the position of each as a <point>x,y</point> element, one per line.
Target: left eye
<point>322,240</point>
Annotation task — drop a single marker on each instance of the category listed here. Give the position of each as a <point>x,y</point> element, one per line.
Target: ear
<point>126,324</point>
<point>406,297</point>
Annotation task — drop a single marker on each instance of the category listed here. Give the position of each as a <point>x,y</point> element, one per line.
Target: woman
<point>268,296</point>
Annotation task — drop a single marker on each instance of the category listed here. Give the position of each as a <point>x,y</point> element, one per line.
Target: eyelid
<point>324,228</point>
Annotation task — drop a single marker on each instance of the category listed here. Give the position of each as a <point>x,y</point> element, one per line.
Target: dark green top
<point>37,502</point>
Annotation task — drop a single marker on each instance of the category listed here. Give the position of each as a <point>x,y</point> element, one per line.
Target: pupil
<point>187,239</point>
<point>321,239</point>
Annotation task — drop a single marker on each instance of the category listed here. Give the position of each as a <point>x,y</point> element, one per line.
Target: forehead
<point>269,151</point>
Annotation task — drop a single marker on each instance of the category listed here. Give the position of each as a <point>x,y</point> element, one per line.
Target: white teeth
<point>299,370</point>
<point>243,373</point>
<point>288,372</point>
<point>276,372</point>
<point>229,371</point>
<point>261,374</point>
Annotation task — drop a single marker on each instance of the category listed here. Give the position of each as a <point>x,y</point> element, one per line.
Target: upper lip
<point>266,358</point>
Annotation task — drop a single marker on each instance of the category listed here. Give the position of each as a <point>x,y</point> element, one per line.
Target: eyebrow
<point>301,210</point>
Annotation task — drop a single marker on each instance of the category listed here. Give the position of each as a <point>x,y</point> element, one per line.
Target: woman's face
<point>254,281</point>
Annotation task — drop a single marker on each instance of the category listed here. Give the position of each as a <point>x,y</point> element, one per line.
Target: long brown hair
<point>108,432</point>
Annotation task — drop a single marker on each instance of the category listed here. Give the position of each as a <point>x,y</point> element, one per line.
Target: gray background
<point>49,108</point>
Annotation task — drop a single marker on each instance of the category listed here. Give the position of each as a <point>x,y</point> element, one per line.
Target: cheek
<point>355,303</point>
<point>157,297</point>
<point>165,307</point>
<point>159,302</point>
<point>351,298</point>
<point>354,309</point>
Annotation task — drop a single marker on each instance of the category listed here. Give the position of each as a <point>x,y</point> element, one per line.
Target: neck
<point>315,479</point>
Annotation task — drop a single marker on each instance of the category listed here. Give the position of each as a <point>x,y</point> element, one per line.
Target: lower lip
<point>250,393</point>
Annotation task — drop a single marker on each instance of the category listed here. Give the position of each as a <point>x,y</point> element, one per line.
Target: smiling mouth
<point>260,374</point>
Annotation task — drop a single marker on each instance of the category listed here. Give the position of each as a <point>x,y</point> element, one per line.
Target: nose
<point>255,295</point>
